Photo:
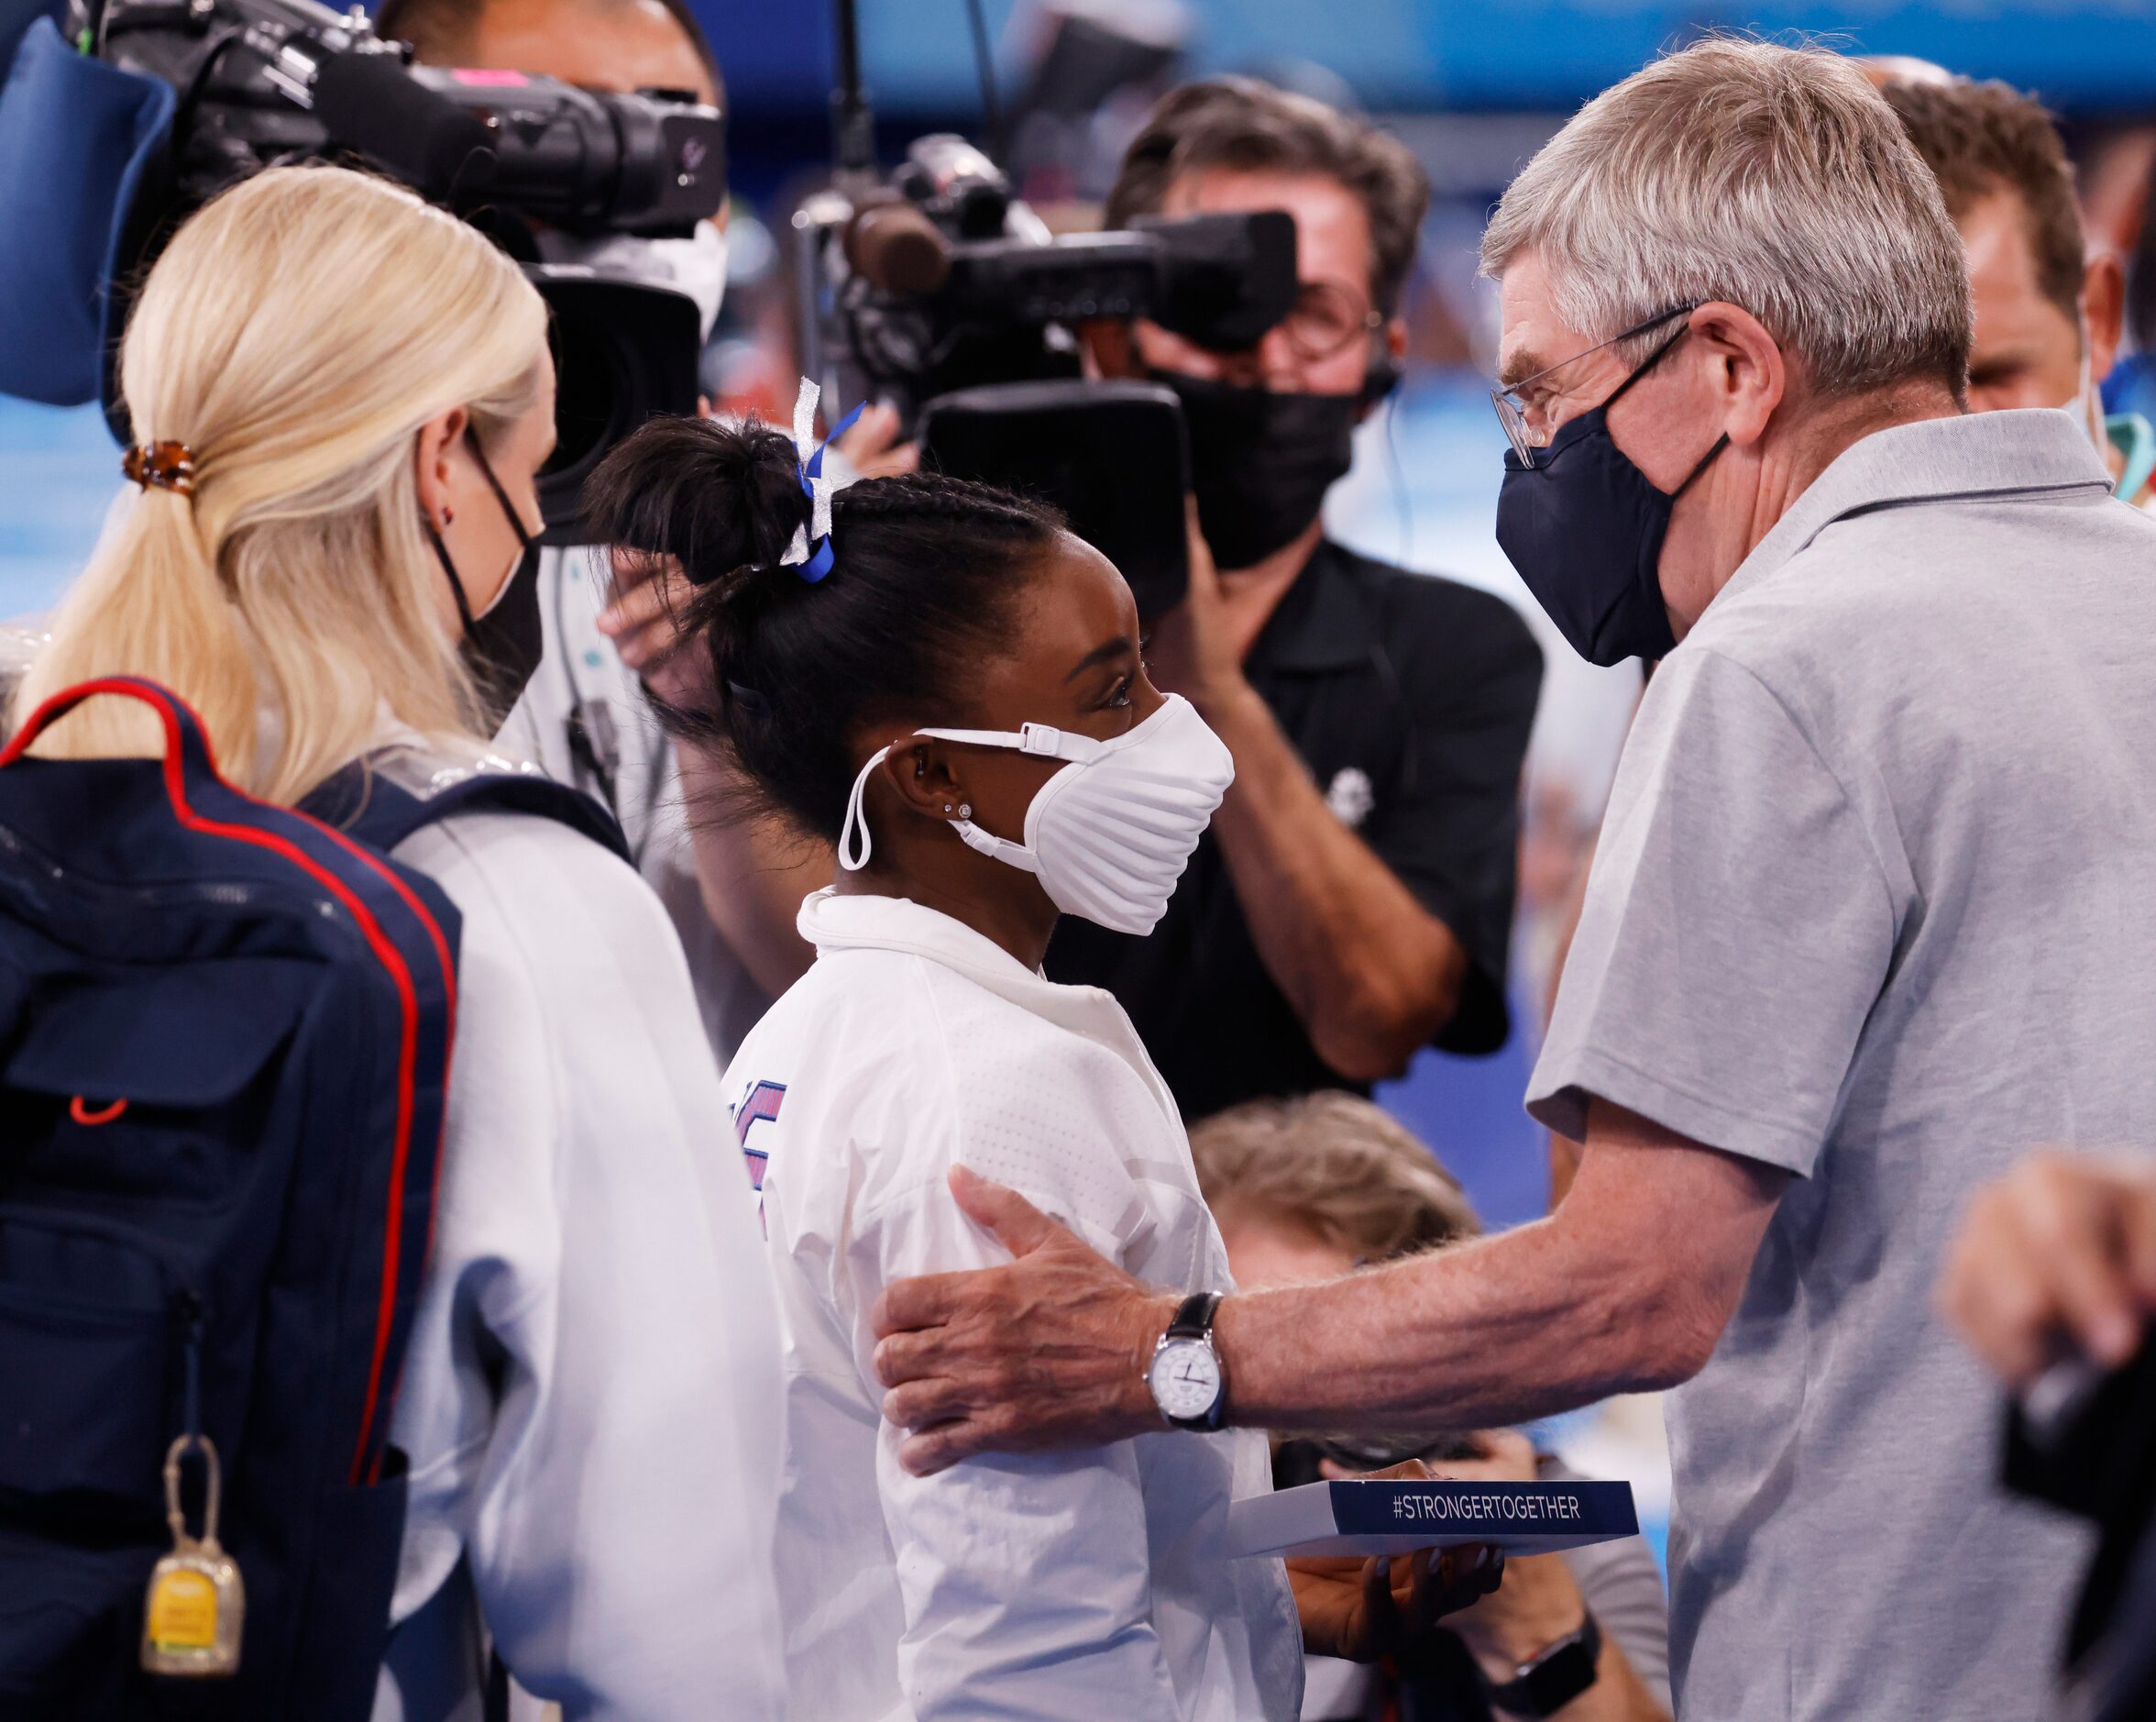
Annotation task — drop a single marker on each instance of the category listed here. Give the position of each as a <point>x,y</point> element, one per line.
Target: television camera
<point>941,291</point>
<point>266,82</point>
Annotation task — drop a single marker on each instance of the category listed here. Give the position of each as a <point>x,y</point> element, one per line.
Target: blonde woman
<point>342,398</point>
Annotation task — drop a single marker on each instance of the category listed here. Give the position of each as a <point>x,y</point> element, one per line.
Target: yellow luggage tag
<point>191,1617</point>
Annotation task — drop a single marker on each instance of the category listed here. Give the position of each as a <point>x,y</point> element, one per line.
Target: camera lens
<point>623,352</point>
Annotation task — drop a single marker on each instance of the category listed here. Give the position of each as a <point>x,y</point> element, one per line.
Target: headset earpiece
<point>1381,378</point>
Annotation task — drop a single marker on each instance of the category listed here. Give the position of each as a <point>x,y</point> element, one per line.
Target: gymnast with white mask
<point>941,680</point>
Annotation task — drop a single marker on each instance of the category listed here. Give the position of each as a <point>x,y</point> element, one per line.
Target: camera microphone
<point>895,248</point>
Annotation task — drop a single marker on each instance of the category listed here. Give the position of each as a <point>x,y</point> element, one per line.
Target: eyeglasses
<point>1326,316</point>
<point>1513,406</point>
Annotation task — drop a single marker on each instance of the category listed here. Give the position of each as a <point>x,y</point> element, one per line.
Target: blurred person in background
<point>732,887</point>
<point>1307,1189</point>
<point>1353,900</point>
<point>1870,907</point>
<point>2050,309</point>
<point>588,1404</point>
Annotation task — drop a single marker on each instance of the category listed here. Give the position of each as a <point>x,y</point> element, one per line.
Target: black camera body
<point>943,280</point>
<point>943,294</point>
<point>262,83</point>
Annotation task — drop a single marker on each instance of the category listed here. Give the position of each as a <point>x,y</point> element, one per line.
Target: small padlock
<point>191,1617</point>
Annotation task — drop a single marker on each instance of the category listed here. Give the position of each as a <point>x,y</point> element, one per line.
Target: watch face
<point>1185,1378</point>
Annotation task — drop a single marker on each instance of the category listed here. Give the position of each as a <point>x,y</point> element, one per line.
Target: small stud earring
<point>947,807</point>
<point>965,810</point>
<point>447,517</point>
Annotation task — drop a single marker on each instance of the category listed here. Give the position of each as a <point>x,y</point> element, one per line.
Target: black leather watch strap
<point>1193,1316</point>
<point>1555,1678</point>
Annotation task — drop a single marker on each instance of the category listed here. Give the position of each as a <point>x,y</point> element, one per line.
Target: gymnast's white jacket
<point>590,1399</point>
<point>1080,1586</point>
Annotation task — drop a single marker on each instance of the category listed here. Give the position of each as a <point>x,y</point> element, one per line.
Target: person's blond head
<point>295,336</point>
<point>1333,1166</point>
<point>1775,178</point>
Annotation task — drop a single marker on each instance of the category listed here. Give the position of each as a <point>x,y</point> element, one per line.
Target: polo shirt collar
<point>1323,624</point>
<point>2021,451</point>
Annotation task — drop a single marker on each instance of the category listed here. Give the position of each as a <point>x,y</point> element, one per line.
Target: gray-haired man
<point>1875,906</point>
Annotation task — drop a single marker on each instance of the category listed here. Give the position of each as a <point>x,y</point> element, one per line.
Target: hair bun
<point>723,500</point>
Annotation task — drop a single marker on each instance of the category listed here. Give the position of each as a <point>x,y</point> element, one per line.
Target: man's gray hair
<point>1772,178</point>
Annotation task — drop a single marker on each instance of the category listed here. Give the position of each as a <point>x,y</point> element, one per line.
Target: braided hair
<point>927,572</point>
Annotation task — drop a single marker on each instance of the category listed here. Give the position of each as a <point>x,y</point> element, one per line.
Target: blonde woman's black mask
<point>503,644</point>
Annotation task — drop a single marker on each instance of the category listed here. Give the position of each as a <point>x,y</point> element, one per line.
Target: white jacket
<point>1087,1584</point>
<point>590,1399</point>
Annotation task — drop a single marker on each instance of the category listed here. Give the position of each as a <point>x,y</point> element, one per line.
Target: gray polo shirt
<point>1875,903</point>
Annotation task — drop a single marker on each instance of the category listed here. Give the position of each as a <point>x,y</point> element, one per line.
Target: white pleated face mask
<point>1111,833</point>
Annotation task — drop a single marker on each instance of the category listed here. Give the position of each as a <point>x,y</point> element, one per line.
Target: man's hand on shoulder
<point>1049,1351</point>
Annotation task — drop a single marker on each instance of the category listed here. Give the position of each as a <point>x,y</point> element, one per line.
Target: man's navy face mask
<point>1584,527</point>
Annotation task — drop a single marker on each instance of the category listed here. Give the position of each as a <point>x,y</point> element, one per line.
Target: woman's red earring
<point>448,514</point>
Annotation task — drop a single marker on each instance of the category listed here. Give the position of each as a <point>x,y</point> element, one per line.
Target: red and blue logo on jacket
<point>759,1104</point>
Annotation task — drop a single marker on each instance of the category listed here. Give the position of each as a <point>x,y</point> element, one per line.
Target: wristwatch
<point>1556,1676</point>
<point>1188,1381</point>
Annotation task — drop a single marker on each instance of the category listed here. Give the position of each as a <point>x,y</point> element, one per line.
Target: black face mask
<point>1262,462</point>
<point>502,647</point>
<point>1584,527</point>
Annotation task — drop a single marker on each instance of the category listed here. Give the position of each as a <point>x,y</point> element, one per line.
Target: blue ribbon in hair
<point>813,541</point>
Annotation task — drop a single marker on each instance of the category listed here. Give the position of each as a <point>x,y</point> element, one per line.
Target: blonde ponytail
<point>296,335</point>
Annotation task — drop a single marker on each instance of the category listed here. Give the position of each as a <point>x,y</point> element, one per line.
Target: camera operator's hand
<point>644,622</point>
<point>753,872</point>
<point>872,449</point>
<point>1198,648</point>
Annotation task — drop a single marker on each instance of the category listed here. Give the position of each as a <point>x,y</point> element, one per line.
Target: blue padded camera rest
<point>76,135</point>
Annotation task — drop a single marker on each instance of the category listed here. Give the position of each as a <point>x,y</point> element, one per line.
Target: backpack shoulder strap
<point>381,812</point>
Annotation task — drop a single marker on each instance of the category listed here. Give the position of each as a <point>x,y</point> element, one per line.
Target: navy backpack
<point>225,1042</point>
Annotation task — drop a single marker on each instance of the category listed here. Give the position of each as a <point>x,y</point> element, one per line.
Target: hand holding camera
<point>1198,647</point>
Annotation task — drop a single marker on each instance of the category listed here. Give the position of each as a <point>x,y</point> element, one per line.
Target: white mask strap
<point>1041,739</point>
<point>857,818</point>
<point>1044,740</point>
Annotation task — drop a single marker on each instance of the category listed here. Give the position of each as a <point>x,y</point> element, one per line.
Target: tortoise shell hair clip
<point>167,466</point>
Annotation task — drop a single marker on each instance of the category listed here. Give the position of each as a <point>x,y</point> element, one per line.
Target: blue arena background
<point>2077,54</point>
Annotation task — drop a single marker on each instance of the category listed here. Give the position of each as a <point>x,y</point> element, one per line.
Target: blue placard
<point>1372,1506</point>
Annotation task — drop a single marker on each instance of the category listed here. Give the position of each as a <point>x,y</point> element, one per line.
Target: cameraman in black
<point>1353,900</point>
<point>732,889</point>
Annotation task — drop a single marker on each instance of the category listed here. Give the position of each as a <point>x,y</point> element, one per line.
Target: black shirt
<point>1409,699</point>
